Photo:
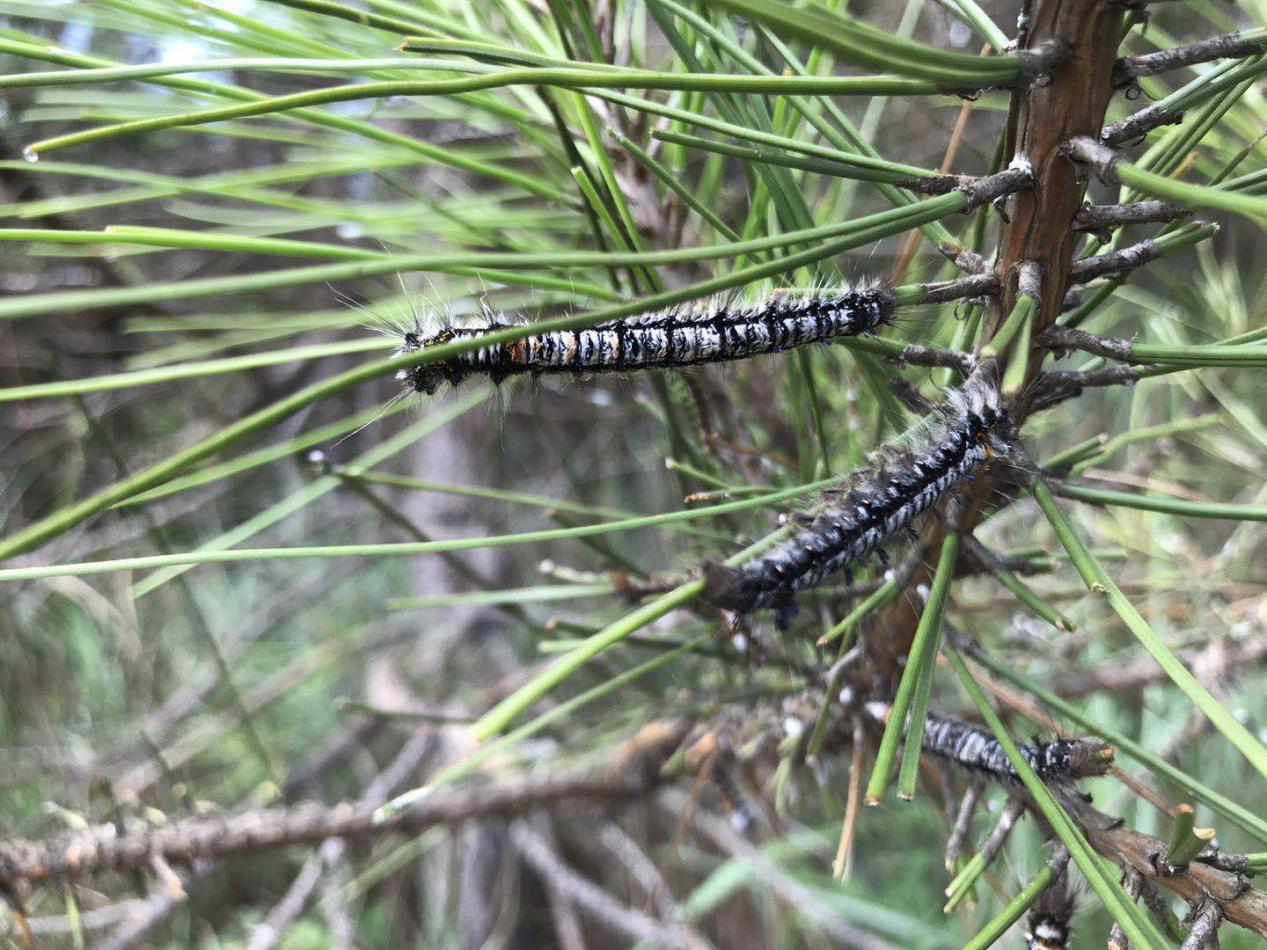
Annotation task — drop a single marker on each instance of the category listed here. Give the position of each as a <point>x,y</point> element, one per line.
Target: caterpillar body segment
<point>976,750</point>
<point>713,332</point>
<point>968,429</point>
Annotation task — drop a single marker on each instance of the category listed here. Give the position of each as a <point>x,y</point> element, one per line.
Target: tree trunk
<point>1068,101</point>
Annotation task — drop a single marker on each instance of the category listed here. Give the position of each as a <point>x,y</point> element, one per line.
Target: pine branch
<point>104,848</point>
<point>1128,69</point>
<point>1102,218</point>
<point>1066,339</point>
<point>1139,124</point>
<point>976,285</point>
<point>1237,901</point>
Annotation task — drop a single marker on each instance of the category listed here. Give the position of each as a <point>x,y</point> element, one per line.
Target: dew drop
<point>30,154</point>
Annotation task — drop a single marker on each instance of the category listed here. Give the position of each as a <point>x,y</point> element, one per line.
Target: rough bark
<point>1237,901</point>
<point>107,848</point>
<point>1071,102</point>
<point>1038,224</point>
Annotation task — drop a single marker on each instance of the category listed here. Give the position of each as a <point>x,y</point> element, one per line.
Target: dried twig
<point>1097,218</point>
<point>1235,863</point>
<point>1114,262</point>
<point>966,259</point>
<point>86,921</point>
<point>913,239</point>
<point>963,821</point>
<point>1204,926</point>
<point>270,930</point>
<point>1225,46</point>
<point>334,908</point>
<point>104,848</point>
<point>1139,124</point>
<point>915,354</point>
<point>634,924</point>
<point>151,913</point>
<point>1132,883</point>
<point>998,836</point>
<point>977,285</point>
<point>979,190</point>
<point>567,926</point>
<point>842,864</point>
<point>641,868</point>
<point>1057,386</point>
<point>331,852</point>
<point>1065,339</point>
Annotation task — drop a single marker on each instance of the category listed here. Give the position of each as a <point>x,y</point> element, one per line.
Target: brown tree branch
<point>1115,262</point>
<point>105,848</point>
<point>1069,102</point>
<point>1066,340</point>
<point>979,189</point>
<point>977,285</point>
<point>1225,46</point>
<point>1041,120</point>
<point>1138,124</point>
<point>1097,218</point>
<point>1237,901</point>
<point>1132,883</point>
<point>1205,927</point>
<point>966,259</point>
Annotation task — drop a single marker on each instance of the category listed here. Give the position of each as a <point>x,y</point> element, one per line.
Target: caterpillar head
<point>1079,758</point>
<point>1051,917</point>
<point>427,377</point>
<point>989,421</point>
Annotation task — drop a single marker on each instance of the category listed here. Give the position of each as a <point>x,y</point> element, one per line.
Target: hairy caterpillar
<point>1050,921</point>
<point>712,332</point>
<point>970,427</point>
<point>976,750</point>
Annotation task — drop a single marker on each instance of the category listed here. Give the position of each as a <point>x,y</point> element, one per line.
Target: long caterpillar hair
<point>970,428</point>
<point>716,330</point>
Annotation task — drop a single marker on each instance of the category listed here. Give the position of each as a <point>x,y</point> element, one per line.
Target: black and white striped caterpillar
<point>969,428</point>
<point>713,332</point>
<point>1050,920</point>
<point>976,750</point>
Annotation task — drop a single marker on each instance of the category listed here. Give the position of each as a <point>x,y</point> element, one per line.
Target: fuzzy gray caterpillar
<point>969,428</point>
<point>976,750</point>
<point>714,332</point>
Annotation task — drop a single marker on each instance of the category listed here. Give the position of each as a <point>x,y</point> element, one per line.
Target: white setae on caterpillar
<point>970,747</point>
<point>968,429</point>
<point>1050,920</point>
<point>716,331</point>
